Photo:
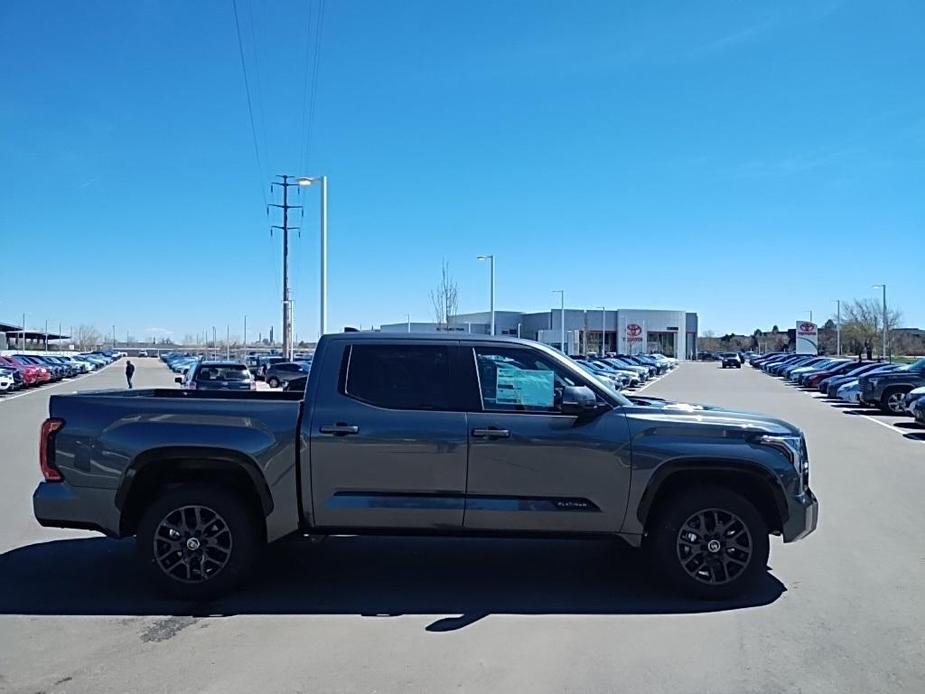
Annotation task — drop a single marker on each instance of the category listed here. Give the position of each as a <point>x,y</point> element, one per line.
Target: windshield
<point>233,372</point>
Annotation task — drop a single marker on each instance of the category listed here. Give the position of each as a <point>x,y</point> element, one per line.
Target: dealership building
<point>629,331</point>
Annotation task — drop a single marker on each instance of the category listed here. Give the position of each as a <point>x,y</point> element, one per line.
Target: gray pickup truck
<point>431,435</point>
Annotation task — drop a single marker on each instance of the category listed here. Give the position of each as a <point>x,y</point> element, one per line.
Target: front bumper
<point>802,516</point>
<point>60,505</point>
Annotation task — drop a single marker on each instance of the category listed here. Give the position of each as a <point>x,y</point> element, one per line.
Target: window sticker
<point>519,387</point>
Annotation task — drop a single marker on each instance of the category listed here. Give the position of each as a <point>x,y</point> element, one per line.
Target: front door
<point>532,468</point>
<point>388,444</point>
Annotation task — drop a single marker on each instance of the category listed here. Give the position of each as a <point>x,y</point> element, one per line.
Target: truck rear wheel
<point>709,542</point>
<point>198,541</point>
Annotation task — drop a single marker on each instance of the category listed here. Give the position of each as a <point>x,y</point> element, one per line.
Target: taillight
<point>47,449</point>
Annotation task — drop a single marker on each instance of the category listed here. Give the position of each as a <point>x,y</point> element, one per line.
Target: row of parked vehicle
<point>206,372</point>
<point>28,369</point>
<point>896,389</point>
<point>626,371</point>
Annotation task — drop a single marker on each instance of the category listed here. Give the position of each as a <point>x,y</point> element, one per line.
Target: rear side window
<point>400,377</point>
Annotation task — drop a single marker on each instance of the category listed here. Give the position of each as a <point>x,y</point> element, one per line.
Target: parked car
<point>849,392</point>
<point>800,374</point>
<point>730,360</point>
<point>55,373</point>
<point>279,373</point>
<point>32,374</point>
<point>887,390</point>
<point>218,375</point>
<point>826,384</point>
<point>264,362</point>
<point>15,375</point>
<point>918,411</point>
<point>431,434</point>
<point>912,397</point>
<point>7,384</point>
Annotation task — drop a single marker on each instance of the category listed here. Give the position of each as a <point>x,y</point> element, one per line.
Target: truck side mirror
<point>178,379</point>
<point>578,400</point>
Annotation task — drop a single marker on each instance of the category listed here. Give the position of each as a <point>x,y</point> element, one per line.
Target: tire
<point>230,560</point>
<point>730,570</point>
<point>892,401</point>
<point>273,382</point>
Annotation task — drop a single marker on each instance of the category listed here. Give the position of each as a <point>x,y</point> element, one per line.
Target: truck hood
<point>661,412</point>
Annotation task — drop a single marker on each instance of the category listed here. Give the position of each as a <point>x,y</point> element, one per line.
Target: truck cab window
<point>520,380</point>
<point>401,377</point>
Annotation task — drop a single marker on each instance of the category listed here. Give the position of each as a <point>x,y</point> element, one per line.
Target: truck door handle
<point>491,433</point>
<point>339,429</point>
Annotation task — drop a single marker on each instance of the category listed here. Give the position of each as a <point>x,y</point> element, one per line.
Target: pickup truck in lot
<point>887,390</point>
<point>448,435</point>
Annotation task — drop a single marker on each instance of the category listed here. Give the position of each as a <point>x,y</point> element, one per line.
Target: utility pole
<point>286,184</point>
<point>883,348</point>
<point>838,329</point>
<point>227,341</point>
<point>561,293</point>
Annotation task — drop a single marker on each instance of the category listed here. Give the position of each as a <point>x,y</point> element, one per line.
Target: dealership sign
<point>807,338</point>
<point>633,332</point>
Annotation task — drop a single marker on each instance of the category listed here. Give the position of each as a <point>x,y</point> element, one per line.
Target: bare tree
<point>445,297</point>
<point>86,337</point>
<point>862,327</point>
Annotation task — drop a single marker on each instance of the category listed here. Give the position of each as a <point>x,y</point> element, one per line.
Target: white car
<point>6,383</point>
<point>850,392</point>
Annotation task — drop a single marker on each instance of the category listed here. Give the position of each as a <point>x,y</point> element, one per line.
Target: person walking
<point>129,372</point>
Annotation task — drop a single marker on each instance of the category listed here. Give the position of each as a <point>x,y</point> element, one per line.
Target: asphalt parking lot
<point>841,611</point>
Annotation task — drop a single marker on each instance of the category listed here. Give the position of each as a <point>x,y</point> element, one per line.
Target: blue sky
<point>749,161</point>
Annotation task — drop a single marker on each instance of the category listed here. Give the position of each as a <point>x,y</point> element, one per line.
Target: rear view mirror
<point>578,400</point>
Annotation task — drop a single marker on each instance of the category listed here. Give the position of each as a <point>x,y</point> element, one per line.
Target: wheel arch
<point>751,480</point>
<point>160,467</point>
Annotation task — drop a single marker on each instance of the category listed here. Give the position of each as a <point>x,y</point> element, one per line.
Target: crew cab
<point>461,435</point>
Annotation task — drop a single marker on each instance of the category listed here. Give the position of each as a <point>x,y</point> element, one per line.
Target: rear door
<point>531,467</point>
<point>388,437</point>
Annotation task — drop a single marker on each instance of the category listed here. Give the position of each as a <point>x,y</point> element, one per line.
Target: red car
<point>814,380</point>
<point>32,374</point>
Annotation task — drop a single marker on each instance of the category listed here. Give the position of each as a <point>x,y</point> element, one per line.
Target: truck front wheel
<point>709,542</point>
<point>198,541</point>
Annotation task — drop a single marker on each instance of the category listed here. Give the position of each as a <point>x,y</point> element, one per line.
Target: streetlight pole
<point>214,338</point>
<point>409,322</point>
<point>227,341</point>
<point>810,315</point>
<point>883,348</point>
<point>838,328</point>
<point>561,293</point>
<point>492,259</point>
<point>323,181</point>
<point>245,330</point>
<point>113,336</point>
<point>603,328</point>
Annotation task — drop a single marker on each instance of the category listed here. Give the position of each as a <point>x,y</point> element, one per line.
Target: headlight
<point>794,447</point>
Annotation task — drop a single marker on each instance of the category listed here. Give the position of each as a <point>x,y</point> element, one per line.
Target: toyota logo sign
<point>633,329</point>
<point>807,327</point>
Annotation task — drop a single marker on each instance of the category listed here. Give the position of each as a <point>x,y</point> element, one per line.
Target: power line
<point>250,106</point>
<point>307,62</point>
<point>259,91</point>
<point>319,24</point>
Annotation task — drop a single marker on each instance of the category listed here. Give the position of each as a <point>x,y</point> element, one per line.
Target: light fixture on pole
<point>492,259</point>
<point>883,348</point>
<point>561,293</point>
<point>323,181</point>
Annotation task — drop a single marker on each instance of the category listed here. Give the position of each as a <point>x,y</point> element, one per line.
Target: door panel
<point>385,467</point>
<point>552,473</point>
